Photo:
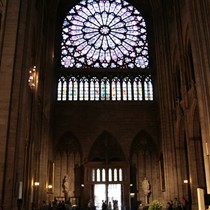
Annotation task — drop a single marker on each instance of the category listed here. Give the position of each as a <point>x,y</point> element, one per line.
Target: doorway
<point>107,192</point>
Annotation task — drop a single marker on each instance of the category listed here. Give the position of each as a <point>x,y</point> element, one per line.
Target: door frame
<point>119,172</point>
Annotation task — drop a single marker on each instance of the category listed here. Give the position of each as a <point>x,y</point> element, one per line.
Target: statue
<point>146,189</point>
<point>66,186</point>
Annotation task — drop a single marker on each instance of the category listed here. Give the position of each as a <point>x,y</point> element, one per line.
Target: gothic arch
<point>144,156</point>
<point>143,142</point>
<point>69,143</point>
<point>67,163</point>
<point>106,148</point>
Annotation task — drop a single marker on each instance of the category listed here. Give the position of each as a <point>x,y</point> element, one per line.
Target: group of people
<point>56,205</point>
<point>108,206</point>
<point>177,205</point>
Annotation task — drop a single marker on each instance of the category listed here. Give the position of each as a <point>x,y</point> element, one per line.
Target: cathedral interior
<point>97,96</point>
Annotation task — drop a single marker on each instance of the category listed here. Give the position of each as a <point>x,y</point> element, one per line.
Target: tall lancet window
<point>108,36</point>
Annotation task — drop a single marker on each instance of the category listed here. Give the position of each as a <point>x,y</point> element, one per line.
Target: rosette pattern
<point>104,34</point>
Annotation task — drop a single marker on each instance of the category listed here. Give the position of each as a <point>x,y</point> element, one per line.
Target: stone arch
<point>144,156</point>
<point>106,148</point>
<point>69,143</point>
<point>143,141</point>
<point>68,164</point>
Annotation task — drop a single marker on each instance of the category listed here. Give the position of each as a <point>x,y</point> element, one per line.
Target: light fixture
<point>185,181</point>
<point>132,195</point>
<point>82,185</point>
<point>207,149</point>
<point>36,183</point>
<point>32,77</point>
<point>49,186</point>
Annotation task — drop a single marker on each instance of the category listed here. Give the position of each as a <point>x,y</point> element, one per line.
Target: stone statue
<point>66,186</point>
<point>146,189</point>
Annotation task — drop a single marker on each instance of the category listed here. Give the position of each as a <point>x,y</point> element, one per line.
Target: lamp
<point>36,183</point>
<point>32,77</point>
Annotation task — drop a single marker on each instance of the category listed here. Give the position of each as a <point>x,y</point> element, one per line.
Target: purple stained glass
<point>102,34</point>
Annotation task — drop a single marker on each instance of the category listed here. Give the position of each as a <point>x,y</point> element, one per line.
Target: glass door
<point>114,196</point>
<point>99,195</point>
<point>110,193</point>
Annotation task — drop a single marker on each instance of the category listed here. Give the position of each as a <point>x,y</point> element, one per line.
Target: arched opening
<point>106,180</point>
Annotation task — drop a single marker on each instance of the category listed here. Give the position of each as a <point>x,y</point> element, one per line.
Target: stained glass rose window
<point>104,34</point>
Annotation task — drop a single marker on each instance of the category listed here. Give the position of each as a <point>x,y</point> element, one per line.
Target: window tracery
<point>109,35</point>
<point>102,34</point>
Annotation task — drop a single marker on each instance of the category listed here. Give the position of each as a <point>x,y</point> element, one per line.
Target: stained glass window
<point>137,89</point>
<point>148,89</point>
<point>110,35</point>
<point>104,34</point>
<point>93,175</point>
<point>101,89</point>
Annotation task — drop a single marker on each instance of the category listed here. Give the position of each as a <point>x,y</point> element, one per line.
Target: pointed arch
<point>143,141</point>
<point>69,143</point>
<point>106,148</point>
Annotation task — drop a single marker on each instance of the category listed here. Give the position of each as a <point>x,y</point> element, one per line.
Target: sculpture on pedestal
<point>66,187</point>
<point>146,190</point>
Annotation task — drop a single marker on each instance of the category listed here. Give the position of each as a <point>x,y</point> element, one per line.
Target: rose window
<point>104,34</point>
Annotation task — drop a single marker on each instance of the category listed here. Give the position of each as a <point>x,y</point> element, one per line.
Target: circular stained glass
<point>104,34</point>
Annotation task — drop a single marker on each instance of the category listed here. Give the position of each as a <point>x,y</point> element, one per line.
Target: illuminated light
<point>32,77</point>
<point>36,183</point>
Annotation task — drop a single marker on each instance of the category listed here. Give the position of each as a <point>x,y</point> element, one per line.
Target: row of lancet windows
<point>116,89</point>
<point>103,175</point>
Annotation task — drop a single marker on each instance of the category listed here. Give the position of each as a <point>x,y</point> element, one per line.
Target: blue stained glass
<point>106,30</point>
<point>90,54</point>
<point>101,5</point>
<point>96,55</point>
<point>93,39</point>
<point>122,11</point>
<point>119,53</point>
<point>65,30</point>
<point>107,6</point>
<point>74,38</point>
<point>114,21</point>
<point>117,8</point>
<point>114,56</point>
<point>110,42</point>
<point>98,18</point>
<point>96,7</point>
<point>91,8</point>
<point>76,22</point>
<point>112,7</point>
<point>85,50</point>
<point>104,18</point>
<point>123,50</point>
<point>115,39</point>
<point>110,18</point>
<point>102,56</point>
<point>90,35</point>
<point>104,45</point>
<point>108,56</point>
<point>95,22</point>
<point>76,32</point>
